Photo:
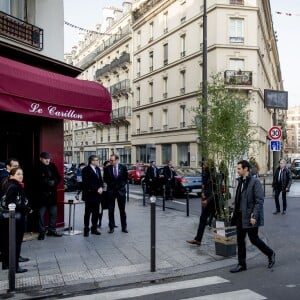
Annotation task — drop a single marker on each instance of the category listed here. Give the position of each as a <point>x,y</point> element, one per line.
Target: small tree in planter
<point>224,133</point>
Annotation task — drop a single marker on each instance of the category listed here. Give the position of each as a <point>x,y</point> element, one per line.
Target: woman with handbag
<point>15,193</point>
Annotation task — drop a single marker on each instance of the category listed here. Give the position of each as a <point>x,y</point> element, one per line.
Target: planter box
<point>225,239</point>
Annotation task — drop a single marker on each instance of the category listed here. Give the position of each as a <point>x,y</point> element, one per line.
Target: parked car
<point>295,168</point>
<point>186,179</point>
<point>135,172</point>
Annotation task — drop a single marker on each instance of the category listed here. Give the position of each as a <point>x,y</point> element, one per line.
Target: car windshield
<point>188,172</point>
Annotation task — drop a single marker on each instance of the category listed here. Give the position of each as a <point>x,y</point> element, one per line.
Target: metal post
<point>275,153</point>
<point>164,197</point>
<point>127,190</point>
<point>12,248</point>
<point>153,220</point>
<point>187,203</point>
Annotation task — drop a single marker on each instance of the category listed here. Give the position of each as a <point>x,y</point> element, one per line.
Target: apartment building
<point>293,130</point>
<point>105,56</point>
<point>165,75</point>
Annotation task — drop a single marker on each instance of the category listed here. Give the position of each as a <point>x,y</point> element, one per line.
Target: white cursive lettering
<point>35,108</point>
<point>68,114</point>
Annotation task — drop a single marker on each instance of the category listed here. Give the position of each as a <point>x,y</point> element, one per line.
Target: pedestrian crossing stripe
<point>175,286</point>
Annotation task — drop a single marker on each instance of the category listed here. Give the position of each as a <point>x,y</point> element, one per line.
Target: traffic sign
<point>275,133</point>
<point>275,145</point>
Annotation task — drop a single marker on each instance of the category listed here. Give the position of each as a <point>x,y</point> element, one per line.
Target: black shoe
<point>41,236</point>
<point>283,212</point>
<point>238,268</point>
<point>23,259</point>
<point>21,270</point>
<point>116,226</point>
<point>86,232</point>
<point>111,230</point>
<point>125,230</point>
<point>271,260</point>
<point>96,232</point>
<point>54,233</point>
<point>276,212</point>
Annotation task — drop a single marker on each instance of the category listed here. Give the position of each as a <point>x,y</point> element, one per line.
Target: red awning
<point>32,91</point>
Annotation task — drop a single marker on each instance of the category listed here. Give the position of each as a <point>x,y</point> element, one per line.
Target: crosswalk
<point>154,291</point>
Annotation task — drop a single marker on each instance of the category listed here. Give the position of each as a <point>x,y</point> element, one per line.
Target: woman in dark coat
<point>15,193</point>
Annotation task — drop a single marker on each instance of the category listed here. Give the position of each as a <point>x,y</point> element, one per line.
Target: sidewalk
<point>75,263</point>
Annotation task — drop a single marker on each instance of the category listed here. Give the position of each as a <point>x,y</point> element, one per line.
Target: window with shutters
<point>236,30</point>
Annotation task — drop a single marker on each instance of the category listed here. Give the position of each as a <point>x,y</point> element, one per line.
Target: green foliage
<point>224,130</point>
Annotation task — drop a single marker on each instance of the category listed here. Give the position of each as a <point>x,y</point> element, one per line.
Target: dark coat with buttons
<point>251,203</point>
<point>286,181</point>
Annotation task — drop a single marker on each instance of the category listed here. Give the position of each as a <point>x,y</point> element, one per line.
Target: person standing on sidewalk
<point>208,201</point>
<point>48,179</point>
<point>169,179</point>
<point>152,178</point>
<point>92,189</point>
<point>282,182</point>
<point>248,215</point>
<point>116,177</point>
<point>79,179</point>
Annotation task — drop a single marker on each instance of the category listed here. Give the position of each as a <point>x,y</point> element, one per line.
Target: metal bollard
<point>12,248</point>
<point>264,186</point>
<point>152,246</point>
<point>127,190</point>
<point>187,203</point>
<point>164,197</point>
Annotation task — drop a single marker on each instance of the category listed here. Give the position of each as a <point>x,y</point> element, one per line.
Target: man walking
<point>116,176</point>
<point>151,178</point>
<point>169,178</point>
<point>248,216</point>
<point>282,181</point>
<point>48,179</point>
<point>92,188</point>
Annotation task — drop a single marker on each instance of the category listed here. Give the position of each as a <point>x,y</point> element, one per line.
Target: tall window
<point>151,32</point>
<point>236,64</point>
<point>138,39</point>
<point>165,119</point>
<point>126,132</point>
<point>165,54</point>
<point>236,30</point>
<point>182,116</point>
<point>151,61</point>
<point>166,153</point>
<point>117,133</point>
<point>138,91</point>
<point>165,82</point>
<point>150,92</point>
<point>138,67</point>
<point>165,22</point>
<point>182,82</point>
<point>182,45</point>
<point>183,154</point>
<point>138,124</point>
<point>150,121</point>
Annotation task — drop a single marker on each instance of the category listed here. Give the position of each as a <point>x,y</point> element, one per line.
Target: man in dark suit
<point>116,176</point>
<point>92,188</point>
<point>169,179</point>
<point>152,177</point>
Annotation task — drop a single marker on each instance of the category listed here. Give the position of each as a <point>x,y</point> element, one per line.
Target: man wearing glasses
<point>116,177</point>
<point>92,188</point>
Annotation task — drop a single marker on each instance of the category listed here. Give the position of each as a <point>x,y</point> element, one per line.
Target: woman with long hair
<point>15,193</point>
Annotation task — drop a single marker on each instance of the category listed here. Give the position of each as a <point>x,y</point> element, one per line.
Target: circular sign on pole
<point>275,133</point>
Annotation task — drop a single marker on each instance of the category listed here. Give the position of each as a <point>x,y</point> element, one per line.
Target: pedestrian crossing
<point>154,291</point>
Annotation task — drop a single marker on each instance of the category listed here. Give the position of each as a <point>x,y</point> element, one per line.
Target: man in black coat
<point>48,178</point>
<point>92,188</point>
<point>116,176</point>
<point>169,179</point>
<point>281,183</point>
<point>152,178</point>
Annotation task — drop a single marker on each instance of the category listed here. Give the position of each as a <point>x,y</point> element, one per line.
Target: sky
<point>87,13</point>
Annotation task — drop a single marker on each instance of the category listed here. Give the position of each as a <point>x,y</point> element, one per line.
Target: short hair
<point>9,160</point>
<point>92,157</point>
<point>244,164</point>
<point>282,160</point>
<point>116,156</point>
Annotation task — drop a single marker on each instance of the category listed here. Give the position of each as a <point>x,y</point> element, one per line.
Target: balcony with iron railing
<point>120,87</point>
<point>144,8</point>
<point>20,31</point>
<point>121,113</point>
<point>236,39</point>
<point>238,77</point>
<point>102,71</point>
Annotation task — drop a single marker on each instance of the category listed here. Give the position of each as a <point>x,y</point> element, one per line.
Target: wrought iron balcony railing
<point>21,31</point>
<point>120,87</point>
<point>238,77</point>
<point>121,112</point>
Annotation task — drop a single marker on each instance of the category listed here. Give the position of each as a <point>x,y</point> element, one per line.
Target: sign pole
<point>275,153</point>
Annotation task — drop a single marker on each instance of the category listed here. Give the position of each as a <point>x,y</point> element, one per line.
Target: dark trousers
<point>20,227</point>
<point>169,184</point>
<point>52,211</point>
<point>206,212</point>
<point>91,208</point>
<point>121,199</point>
<point>152,187</point>
<point>254,239</point>
<point>277,193</point>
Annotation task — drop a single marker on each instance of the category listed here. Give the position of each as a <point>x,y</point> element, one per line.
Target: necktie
<point>115,171</point>
<point>280,176</point>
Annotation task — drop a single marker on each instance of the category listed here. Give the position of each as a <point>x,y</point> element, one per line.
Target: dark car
<point>295,168</point>
<point>135,172</point>
<point>186,179</point>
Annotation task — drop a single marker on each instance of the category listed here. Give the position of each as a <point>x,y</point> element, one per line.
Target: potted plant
<point>224,133</point>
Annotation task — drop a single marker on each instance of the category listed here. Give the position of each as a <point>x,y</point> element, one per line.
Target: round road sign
<point>275,133</point>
